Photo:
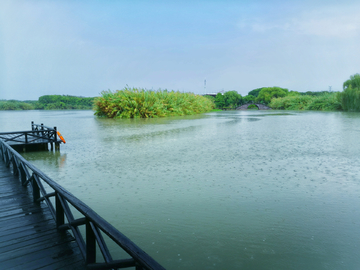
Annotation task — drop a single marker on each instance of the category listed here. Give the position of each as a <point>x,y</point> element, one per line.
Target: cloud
<point>328,22</point>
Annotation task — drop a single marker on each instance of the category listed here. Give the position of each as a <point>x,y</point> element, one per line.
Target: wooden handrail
<point>95,225</point>
<point>33,126</point>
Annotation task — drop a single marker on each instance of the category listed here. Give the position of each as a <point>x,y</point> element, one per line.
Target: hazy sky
<point>83,47</point>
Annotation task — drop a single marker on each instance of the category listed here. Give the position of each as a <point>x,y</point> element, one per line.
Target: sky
<point>82,48</point>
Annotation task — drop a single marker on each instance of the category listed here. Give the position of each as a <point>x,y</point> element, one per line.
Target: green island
<point>142,103</point>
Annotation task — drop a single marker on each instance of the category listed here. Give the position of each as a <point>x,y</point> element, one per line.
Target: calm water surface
<point>225,190</point>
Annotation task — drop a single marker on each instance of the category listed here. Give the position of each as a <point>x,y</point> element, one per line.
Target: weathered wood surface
<point>28,235</point>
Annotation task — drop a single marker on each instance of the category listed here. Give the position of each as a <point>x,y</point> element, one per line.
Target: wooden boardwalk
<point>28,235</point>
<point>37,216</point>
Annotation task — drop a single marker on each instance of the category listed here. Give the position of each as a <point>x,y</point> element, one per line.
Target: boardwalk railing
<point>37,134</point>
<point>45,132</point>
<point>60,207</point>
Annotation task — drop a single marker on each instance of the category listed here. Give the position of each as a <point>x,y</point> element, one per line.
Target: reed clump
<point>142,103</point>
<point>324,102</point>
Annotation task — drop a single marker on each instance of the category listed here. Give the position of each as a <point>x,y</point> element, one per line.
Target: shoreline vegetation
<point>324,102</point>
<point>348,100</point>
<point>50,102</point>
<point>282,99</point>
<point>142,103</point>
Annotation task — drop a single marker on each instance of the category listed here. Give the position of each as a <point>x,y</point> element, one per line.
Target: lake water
<point>225,190</point>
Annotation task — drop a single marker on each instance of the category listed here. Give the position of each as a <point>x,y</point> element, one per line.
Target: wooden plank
<point>36,227</point>
<point>28,241</point>
<point>39,243</point>
<point>75,266</point>
<point>63,253</point>
<point>14,210</point>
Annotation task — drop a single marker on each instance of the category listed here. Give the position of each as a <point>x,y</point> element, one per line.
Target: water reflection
<point>54,159</point>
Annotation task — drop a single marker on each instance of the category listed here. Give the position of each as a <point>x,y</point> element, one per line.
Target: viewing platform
<point>36,139</point>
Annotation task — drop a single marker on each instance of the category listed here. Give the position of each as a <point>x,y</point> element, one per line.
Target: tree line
<point>274,97</point>
<point>232,99</point>
<point>347,100</point>
<point>283,99</point>
<point>50,102</point>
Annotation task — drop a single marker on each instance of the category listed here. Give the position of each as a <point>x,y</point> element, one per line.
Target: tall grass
<point>324,102</point>
<point>141,103</point>
<point>350,99</point>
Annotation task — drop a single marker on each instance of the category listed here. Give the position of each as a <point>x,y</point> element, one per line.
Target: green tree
<point>248,99</point>
<point>350,96</point>
<point>354,81</point>
<point>350,99</point>
<point>294,93</point>
<point>267,93</point>
<point>47,99</point>
<point>255,92</point>
<point>219,100</point>
<point>232,99</point>
<point>313,93</point>
<point>210,97</point>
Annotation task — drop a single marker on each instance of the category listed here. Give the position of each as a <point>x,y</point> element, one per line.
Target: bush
<point>141,103</point>
<point>324,102</point>
<point>252,107</point>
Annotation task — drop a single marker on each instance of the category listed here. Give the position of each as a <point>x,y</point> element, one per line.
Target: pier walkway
<point>29,238</point>
<point>43,226</point>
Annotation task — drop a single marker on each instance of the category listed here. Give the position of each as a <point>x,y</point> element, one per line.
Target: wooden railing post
<point>22,173</point>
<point>7,159</point>
<point>54,134</point>
<point>15,166</point>
<point>139,267</point>
<point>36,189</point>
<point>90,243</point>
<point>60,217</point>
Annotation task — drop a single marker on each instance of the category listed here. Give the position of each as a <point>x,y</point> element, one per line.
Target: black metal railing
<point>62,208</point>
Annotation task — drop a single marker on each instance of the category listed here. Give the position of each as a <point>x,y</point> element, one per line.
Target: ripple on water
<point>227,190</point>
